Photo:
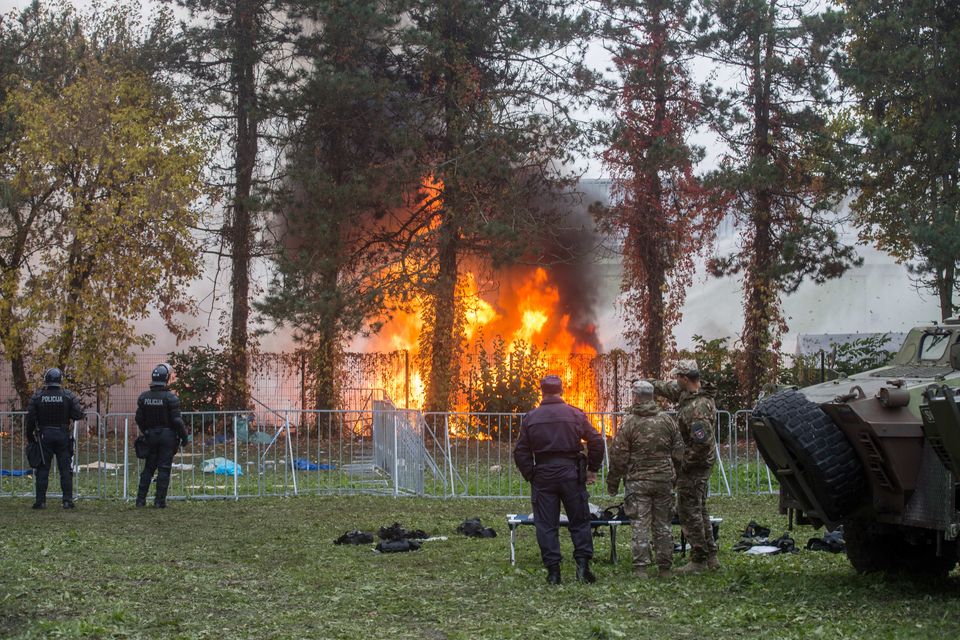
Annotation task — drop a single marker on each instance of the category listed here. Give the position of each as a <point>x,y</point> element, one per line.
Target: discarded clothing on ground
<point>355,537</point>
<point>245,435</point>
<point>761,545</point>
<point>92,466</point>
<point>397,532</point>
<point>397,546</point>
<point>15,473</point>
<point>302,464</point>
<point>473,528</point>
<point>755,530</point>
<point>832,541</point>
<point>221,467</point>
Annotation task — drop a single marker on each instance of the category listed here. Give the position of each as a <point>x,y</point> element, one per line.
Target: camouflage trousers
<point>692,509</point>
<point>649,505</point>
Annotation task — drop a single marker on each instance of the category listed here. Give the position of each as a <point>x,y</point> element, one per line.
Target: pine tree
<point>901,65</point>
<point>664,214</point>
<point>496,82</point>
<point>230,51</point>
<point>349,164</point>
<point>774,124</point>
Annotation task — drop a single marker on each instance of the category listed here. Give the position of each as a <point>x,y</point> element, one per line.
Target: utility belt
<point>558,459</point>
<point>577,460</point>
<point>158,429</point>
<point>61,428</point>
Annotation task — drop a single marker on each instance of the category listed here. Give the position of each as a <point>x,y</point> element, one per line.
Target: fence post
<point>126,455</point>
<point>446,436</point>
<point>236,460</point>
<point>396,458</point>
<point>293,466</point>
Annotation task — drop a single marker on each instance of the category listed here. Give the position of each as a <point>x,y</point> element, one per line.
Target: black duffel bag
<point>35,456</point>
<point>141,447</point>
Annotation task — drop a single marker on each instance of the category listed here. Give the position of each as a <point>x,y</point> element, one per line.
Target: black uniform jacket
<point>160,407</point>
<point>52,407</point>
<point>556,430</point>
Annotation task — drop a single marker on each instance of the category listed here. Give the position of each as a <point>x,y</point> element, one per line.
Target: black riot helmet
<point>53,377</point>
<point>160,375</point>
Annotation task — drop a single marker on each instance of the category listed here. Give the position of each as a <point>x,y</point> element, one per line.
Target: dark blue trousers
<point>56,442</point>
<point>163,444</point>
<point>551,487</point>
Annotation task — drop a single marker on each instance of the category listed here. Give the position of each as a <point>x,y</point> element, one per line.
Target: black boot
<point>39,504</point>
<point>68,504</point>
<point>160,504</point>
<point>553,574</point>
<point>141,502</point>
<point>583,571</point>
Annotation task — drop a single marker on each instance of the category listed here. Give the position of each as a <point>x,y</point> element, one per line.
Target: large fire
<point>521,304</point>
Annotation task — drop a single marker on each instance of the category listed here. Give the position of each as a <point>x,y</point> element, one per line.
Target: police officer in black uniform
<point>159,420</point>
<point>48,421</point>
<point>549,454</point>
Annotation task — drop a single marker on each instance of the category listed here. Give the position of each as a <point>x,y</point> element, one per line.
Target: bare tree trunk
<point>20,382</point>
<point>444,340</point>
<point>946,282</point>
<point>654,329</point>
<point>326,360</point>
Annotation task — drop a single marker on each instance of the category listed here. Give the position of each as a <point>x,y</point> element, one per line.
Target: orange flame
<point>525,306</point>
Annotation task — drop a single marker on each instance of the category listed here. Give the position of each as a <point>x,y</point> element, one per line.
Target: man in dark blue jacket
<point>48,422</point>
<point>549,454</point>
<point>159,420</point>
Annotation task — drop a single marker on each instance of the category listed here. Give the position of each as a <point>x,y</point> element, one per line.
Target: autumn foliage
<point>662,210</point>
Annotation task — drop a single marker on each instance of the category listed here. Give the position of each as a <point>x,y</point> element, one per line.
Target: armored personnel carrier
<point>877,452</point>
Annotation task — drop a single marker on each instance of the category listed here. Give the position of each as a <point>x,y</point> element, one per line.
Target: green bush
<point>200,372</point>
<point>717,362</point>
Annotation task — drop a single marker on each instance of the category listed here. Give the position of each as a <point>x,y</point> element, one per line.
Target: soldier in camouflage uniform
<point>644,454</point>
<point>696,413</point>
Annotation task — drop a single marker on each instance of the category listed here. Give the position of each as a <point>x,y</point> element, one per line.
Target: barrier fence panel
<point>333,452</point>
<point>16,479</point>
<point>89,470</point>
<point>378,449</point>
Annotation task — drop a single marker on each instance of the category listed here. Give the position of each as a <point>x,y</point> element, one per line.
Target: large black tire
<point>822,453</point>
<point>869,548</point>
<point>873,547</point>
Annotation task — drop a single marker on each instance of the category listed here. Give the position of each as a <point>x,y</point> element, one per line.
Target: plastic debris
<point>221,467</point>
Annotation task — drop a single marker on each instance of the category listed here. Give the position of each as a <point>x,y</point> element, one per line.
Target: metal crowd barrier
<point>378,450</point>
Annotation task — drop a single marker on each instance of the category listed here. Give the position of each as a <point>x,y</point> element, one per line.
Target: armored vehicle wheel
<point>874,547</point>
<point>821,451</point>
<point>869,549</point>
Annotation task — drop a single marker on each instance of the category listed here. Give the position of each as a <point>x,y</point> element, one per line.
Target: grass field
<point>267,568</point>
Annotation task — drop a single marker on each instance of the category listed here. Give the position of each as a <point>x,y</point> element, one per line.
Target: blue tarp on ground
<point>302,464</point>
<point>221,467</point>
<point>16,473</point>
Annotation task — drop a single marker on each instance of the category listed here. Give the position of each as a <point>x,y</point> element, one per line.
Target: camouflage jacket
<point>697,415</point>
<point>647,447</point>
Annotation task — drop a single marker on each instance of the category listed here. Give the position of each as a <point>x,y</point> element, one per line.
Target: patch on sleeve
<point>699,431</point>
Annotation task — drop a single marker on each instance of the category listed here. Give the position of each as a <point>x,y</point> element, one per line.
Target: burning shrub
<point>507,381</point>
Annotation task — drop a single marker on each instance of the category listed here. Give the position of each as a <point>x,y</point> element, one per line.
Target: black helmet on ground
<point>53,377</point>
